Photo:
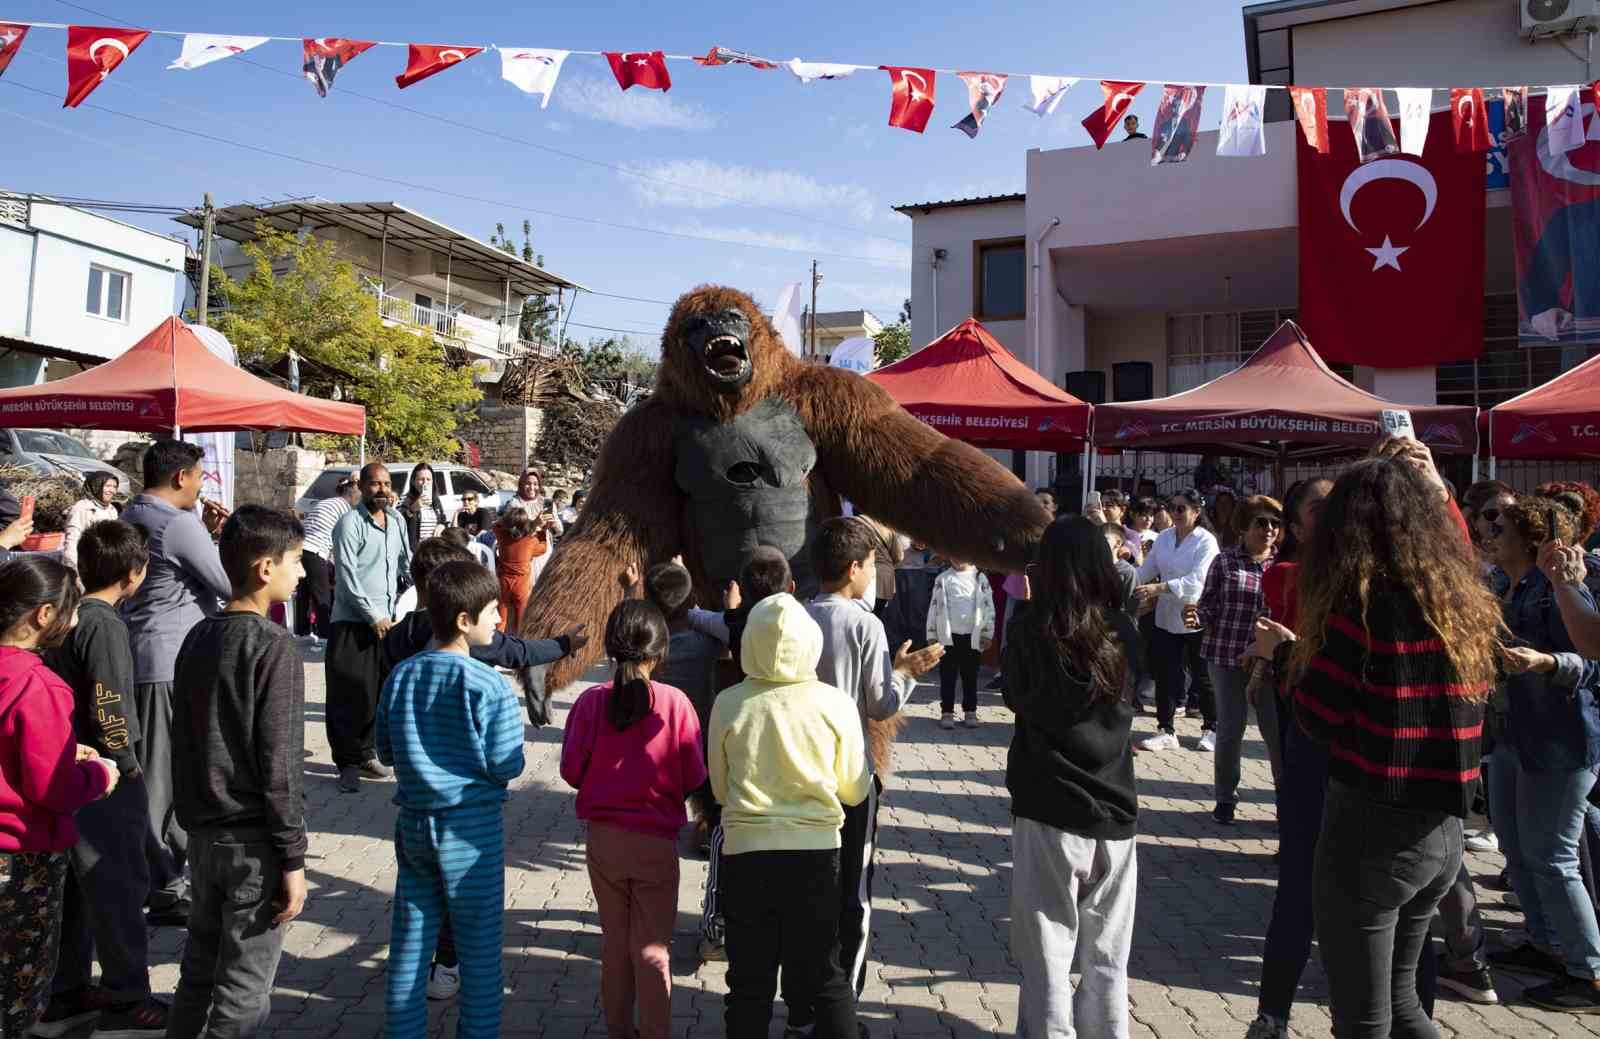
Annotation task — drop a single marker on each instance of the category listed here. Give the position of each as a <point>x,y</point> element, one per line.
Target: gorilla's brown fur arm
<point>634,515</point>
<point>942,492</point>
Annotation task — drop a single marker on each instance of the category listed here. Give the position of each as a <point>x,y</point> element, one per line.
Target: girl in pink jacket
<point>45,776</point>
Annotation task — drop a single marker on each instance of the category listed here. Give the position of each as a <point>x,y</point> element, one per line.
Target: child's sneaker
<point>947,721</point>
<point>444,982</point>
<point>970,720</point>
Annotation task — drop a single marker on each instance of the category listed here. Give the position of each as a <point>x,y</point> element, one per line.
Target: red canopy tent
<point>1283,395</point>
<point>169,382</point>
<point>1560,419</point>
<point>969,387</point>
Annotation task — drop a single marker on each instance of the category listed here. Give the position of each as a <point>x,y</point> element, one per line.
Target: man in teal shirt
<point>370,556</point>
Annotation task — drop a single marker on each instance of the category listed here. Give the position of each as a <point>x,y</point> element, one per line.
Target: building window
<point>1506,368</point>
<point>1000,288</point>
<point>108,293</point>
<point>1201,347</point>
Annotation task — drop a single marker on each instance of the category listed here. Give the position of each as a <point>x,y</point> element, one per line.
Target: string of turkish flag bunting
<point>93,53</point>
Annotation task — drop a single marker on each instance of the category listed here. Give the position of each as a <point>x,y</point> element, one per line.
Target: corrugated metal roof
<point>981,200</point>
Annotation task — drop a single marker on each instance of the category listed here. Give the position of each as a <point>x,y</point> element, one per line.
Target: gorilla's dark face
<point>720,341</point>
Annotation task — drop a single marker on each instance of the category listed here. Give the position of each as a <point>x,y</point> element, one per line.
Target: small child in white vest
<point>961,617</point>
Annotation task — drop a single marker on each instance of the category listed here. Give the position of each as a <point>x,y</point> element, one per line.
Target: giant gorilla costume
<point>743,444</point>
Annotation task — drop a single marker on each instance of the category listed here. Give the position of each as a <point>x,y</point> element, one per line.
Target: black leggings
<point>959,660</point>
<point>1171,655</point>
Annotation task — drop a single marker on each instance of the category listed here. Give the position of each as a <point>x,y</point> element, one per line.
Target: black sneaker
<point>146,1019</point>
<point>1193,712</point>
<point>174,915</point>
<point>1566,994</point>
<point>1526,959</point>
<point>1223,814</point>
<point>66,1013</point>
<point>1475,986</point>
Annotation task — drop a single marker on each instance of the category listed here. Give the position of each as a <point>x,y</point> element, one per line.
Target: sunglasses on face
<point>1175,509</point>
<point>1489,515</point>
<point>1268,523</point>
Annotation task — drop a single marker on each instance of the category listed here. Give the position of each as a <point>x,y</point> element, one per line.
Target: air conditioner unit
<point>1556,17</point>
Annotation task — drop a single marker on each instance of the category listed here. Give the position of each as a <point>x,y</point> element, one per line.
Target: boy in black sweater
<point>110,878</point>
<point>238,744</point>
<point>411,635</point>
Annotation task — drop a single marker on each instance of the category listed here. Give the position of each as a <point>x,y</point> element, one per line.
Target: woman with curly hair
<point>1394,662</point>
<point>1544,763</point>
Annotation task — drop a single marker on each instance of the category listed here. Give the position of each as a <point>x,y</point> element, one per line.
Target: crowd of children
<point>784,772</point>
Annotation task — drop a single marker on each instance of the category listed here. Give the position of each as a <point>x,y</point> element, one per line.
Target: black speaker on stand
<point>1089,387</point>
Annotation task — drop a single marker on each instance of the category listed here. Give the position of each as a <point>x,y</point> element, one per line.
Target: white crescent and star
<point>1465,108</point>
<point>914,88</point>
<point>452,55</point>
<point>103,42</point>
<point>1388,254</point>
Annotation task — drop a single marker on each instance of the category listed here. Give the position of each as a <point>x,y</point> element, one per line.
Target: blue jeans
<point>1539,817</point>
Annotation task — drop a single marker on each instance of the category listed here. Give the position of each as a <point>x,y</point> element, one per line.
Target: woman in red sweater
<point>45,776</point>
<point>1395,659</point>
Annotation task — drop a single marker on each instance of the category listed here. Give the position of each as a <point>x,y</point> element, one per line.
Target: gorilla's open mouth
<point>721,340</point>
<point>725,358</point>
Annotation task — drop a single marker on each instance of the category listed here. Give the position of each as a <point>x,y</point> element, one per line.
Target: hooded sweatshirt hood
<point>15,667</point>
<point>781,642</point>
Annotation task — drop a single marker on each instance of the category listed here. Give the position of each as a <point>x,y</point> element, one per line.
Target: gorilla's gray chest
<point>745,481</point>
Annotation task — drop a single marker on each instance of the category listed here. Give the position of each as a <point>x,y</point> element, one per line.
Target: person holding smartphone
<point>1544,764</point>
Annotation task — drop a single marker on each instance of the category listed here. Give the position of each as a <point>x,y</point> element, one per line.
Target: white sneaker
<point>1160,741</point>
<point>1208,741</point>
<point>1483,840</point>
<point>443,982</point>
<point>947,721</point>
<point>970,719</point>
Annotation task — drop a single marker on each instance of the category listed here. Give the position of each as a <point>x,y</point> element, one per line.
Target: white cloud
<point>703,184</point>
<point>636,109</point>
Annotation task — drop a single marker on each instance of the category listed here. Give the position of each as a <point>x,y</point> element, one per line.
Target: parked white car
<point>449,481</point>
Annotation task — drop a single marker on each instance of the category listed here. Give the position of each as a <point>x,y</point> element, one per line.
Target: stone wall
<point>277,477</point>
<point>505,436</point>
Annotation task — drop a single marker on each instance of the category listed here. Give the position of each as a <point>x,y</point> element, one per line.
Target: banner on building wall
<point>1555,206</point>
<point>1392,252</point>
<point>216,478</point>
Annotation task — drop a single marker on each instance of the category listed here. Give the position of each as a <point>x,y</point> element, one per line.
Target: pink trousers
<point>635,880</point>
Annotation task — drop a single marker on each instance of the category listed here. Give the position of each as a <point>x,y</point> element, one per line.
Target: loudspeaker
<point>1133,380</point>
<point>1087,386</point>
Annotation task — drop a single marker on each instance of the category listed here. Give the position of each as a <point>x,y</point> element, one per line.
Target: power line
<point>414,186</point>
<point>574,156</point>
<point>624,331</point>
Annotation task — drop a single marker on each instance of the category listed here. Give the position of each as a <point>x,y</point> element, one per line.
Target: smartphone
<point>1398,423</point>
<point>1550,524</point>
<point>27,507</point>
<point>1092,501</point>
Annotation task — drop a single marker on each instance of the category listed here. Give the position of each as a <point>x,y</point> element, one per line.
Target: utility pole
<point>207,227</point>
<point>816,279</point>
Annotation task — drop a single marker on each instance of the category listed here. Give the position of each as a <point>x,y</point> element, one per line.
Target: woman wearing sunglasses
<point>1173,575</point>
<point>1227,610</point>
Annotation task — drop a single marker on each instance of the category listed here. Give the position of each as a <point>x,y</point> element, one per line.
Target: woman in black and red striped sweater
<point>1395,661</point>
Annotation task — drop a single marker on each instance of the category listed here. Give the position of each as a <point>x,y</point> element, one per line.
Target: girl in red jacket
<point>45,776</point>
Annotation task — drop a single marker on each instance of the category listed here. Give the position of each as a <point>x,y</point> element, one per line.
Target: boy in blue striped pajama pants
<point>452,729</point>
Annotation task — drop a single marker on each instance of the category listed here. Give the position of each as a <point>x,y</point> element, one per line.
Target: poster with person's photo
<point>1177,124</point>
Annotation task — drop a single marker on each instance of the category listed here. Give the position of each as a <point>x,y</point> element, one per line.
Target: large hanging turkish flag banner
<point>1391,252</point>
<point>1555,217</point>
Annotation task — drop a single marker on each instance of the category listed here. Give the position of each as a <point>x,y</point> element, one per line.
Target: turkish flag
<point>1311,109</point>
<point>912,102</point>
<point>426,59</point>
<point>10,42</point>
<point>1118,96</point>
<point>91,55</point>
<point>646,69</point>
<point>1470,117</point>
<point>1392,253</point>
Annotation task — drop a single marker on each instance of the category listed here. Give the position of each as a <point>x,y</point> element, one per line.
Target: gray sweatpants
<point>166,845</point>
<point>1072,900</point>
<point>1233,713</point>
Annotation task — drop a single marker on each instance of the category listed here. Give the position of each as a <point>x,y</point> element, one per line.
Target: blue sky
<point>720,154</point>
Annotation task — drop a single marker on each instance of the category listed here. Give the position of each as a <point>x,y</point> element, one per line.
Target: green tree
<point>300,296</point>
<point>610,359</point>
<point>537,322</point>
<point>892,342</point>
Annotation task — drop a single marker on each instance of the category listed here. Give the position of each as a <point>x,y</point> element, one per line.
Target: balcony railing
<point>459,328</point>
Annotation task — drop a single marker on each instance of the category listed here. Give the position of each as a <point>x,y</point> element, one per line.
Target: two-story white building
<point>468,293</point>
<point>1152,280</point>
<point>77,288</point>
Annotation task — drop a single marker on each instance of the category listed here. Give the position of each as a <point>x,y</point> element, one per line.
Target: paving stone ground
<point>940,961</point>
